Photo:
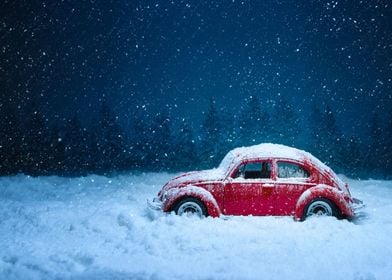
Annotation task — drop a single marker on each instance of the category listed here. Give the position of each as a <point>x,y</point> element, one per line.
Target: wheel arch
<point>175,195</point>
<point>327,192</point>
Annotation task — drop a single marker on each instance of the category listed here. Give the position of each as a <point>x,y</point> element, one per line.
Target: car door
<point>250,190</point>
<point>292,179</point>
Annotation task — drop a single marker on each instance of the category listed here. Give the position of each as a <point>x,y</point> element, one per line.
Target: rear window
<point>291,170</point>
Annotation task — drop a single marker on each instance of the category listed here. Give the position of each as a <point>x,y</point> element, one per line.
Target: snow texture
<point>97,227</point>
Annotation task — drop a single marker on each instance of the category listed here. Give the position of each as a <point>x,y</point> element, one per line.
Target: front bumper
<point>155,204</point>
<point>357,206</point>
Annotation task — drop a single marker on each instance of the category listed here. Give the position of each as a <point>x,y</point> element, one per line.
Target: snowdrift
<point>100,228</point>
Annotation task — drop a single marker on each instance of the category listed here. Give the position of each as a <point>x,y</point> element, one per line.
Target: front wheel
<point>190,207</point>
<point>320,207</point>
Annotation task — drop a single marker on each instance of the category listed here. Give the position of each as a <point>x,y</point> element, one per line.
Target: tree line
<point>32,144</point>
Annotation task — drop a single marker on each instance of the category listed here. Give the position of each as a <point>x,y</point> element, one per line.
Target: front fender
<point>174,195</point>
<point>334,195</point>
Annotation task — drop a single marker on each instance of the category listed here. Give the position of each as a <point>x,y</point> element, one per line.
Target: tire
<point>320,207</point>
<point>190,207</point>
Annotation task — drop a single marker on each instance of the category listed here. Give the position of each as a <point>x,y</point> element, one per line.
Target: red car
<point>261,180</point>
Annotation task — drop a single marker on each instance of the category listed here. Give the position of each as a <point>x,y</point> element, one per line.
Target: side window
<point>291,170</point>
<point>254,170</point>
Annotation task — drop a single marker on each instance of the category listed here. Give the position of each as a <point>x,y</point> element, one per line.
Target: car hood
<point>189,178</point>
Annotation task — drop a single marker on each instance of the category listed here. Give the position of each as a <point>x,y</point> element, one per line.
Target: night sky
<point>71,55</point>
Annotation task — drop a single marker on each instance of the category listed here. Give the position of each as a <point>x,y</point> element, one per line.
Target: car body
<point>261,180</point>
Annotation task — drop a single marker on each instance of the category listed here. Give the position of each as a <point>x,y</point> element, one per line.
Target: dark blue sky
<point>177,54</point>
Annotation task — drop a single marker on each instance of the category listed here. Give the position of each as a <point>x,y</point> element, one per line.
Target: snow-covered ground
<point>100,228</point>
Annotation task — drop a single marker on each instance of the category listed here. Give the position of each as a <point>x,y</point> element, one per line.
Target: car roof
<point>276,151</point>
<point>269,150</point>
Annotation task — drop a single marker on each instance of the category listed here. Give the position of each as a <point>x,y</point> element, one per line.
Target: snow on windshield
<point>227,161</point>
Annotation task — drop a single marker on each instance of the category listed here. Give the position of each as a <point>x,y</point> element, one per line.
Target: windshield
<point>227,162</point>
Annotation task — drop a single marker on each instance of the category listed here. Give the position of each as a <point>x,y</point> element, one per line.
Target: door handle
<point>268,185</point>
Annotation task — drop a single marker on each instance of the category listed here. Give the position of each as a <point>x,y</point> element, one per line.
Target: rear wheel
<point>190,207</point>
<point>320,207</point>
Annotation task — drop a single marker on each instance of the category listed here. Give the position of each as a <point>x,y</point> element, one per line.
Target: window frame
<point>245,162</point>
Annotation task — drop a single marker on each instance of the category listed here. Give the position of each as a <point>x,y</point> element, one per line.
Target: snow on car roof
<point>267,150</point>
<point>270,150</point>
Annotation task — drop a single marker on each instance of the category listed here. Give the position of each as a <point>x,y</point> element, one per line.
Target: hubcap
<point>190,209</point>
<point>319,208</point>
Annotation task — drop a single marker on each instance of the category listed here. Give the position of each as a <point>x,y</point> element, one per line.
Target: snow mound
<point>99,228</point>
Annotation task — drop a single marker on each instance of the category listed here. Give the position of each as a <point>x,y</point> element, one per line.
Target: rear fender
<point>334,195</point>
<point>174,195</point>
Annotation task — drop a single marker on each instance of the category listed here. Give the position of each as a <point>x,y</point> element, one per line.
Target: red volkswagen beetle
<point>266,179</point>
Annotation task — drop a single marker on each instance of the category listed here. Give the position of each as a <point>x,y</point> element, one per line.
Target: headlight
<point>164,196</point>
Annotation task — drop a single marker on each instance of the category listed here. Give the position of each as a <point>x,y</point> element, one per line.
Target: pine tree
<point>110,141</point>
<point>35,142</point>
<point>73,141</point>
<point>160,152</point>
<point>254,124</point>
<point>316,130</point>
<point>352,157</point>
<point>229,133</point>
<point>139,142</point>
<point>387,158</point>
<point>333,139</point>
<point>93,157</point>
<point>210,144</point>
<point>325,137</point>
<point>56,156</point>
<point>185,154</point>
<point>375,150</point>
<point>9,139</point>
<point>286,123</point>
